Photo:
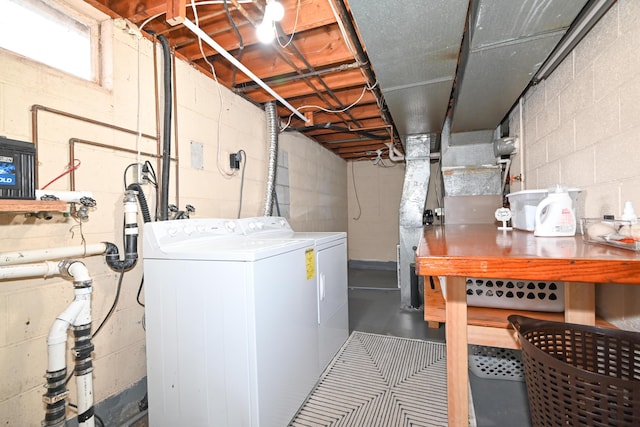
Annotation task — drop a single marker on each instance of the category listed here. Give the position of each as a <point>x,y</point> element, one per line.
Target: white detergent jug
<point>555,215</point>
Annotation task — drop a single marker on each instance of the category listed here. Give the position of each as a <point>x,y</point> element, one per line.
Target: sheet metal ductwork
<point>412,202</point>
<point>470,59</point>
<point>506,44</point>
<point>413,46</point>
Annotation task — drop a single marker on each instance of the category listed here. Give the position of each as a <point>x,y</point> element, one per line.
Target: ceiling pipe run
<point>205,37</point>
<point>586,20</point>
<point>300,75</point>
<point>365,133</point>
<point>326,87</point>
<point>245,87</point>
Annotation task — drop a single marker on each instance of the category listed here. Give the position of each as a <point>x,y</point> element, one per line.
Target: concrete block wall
<point>582,128</point>
<point>222,122</point>
<point>317,185</point>
<point>374,202</point>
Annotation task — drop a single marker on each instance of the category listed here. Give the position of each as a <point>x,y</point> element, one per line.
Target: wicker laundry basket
<point>580,375</point>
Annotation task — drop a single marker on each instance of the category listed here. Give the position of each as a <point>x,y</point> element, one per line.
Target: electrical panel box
<point>17,169</point>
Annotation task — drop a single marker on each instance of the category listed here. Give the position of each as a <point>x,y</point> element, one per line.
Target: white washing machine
<point>231,325</point>
<point>331,275</point>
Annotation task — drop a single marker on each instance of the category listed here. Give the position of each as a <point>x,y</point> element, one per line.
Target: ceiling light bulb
<point>274,10</point>
<point>265,32</point>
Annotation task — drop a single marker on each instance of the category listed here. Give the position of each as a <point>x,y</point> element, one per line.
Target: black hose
<point>146,216</point>
<point>166,135</point>
<point>364,133</point>
<point>240,41</point>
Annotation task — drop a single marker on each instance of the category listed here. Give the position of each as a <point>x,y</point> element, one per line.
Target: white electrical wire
<point>295,25</point>
<point>199,3</point>
<point>355,192</point>
<point>343,31</point>
<point>197,30</point>
<point>222,172</point>
<point>349,44</point>
<point>326,110</point>
<point>138,111</point>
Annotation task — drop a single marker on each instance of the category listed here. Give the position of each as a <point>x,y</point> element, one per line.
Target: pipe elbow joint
<point>113,258</point>
<point>76,270</point>
<point>394,154</point>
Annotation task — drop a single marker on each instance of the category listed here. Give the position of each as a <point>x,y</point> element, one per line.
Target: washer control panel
<point>176,231</point>
<point>264,225</point>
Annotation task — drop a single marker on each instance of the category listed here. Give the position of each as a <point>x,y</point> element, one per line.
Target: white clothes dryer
<point>330,271</point>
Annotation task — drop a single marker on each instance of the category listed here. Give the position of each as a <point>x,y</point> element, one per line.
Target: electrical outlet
<point>234,160</point>
<point>145,174</point>
<point>139,175</point>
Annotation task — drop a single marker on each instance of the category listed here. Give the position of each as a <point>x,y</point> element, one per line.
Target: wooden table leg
<point>457,353</point>
<point>579,303</point>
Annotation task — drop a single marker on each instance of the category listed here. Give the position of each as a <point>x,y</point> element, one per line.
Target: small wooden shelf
<point>20,206</point>
<point>486,326</point>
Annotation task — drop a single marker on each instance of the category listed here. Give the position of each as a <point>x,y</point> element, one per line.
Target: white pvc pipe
<point>84,384</point>
<point>205,37</point>
<point>57,338</point>
<point>507,163</point>
<point>84,316</point>
<point>77,313</point>
<point>36,255</point>
<point>48,268</point>
<point>131,215</point>
<point>394,154</point>
<point>79,272</point>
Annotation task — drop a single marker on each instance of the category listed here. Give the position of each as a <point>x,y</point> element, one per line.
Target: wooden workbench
<point>482,251</point>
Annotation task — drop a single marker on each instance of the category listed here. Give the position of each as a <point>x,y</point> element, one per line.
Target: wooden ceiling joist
<point>176,11</point>
<point>311,65</point>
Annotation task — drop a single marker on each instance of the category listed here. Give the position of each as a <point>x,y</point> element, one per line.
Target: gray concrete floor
<point>374,306</point>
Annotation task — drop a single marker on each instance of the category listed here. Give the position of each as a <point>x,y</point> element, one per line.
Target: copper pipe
<point>34,129</point>
<point>72,154</point>
<point>245,87</point>
<point>311,69</point>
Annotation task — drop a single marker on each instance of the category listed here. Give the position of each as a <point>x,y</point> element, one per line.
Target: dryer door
<point>333,310</point>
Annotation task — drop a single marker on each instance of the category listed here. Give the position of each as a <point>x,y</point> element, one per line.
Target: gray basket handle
<point>516,321</point>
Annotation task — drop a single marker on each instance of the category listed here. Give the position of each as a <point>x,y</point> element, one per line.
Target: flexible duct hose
<point>272,134</point>
<point>166,128</point>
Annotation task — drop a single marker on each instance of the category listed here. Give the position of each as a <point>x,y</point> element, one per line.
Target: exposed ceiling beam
<point>176,11</point>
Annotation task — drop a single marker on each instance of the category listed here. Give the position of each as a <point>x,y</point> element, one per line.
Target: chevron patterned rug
<point>380,381</point>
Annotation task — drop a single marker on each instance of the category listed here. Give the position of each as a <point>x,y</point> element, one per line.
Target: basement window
<point>52,33</point>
